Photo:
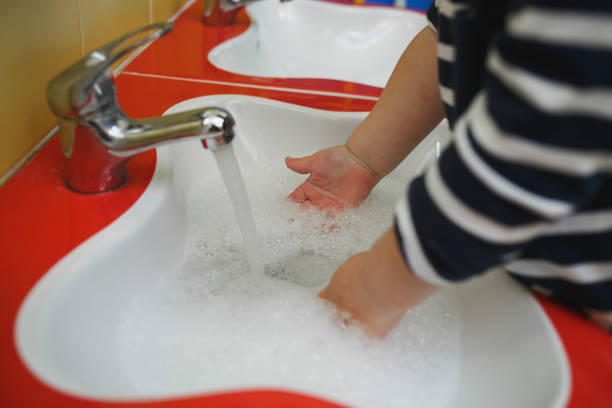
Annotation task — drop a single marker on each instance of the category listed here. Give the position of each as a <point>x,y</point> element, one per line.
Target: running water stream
<point>232,177</point>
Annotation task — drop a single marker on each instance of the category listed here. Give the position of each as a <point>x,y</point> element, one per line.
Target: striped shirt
<point>527,181</point>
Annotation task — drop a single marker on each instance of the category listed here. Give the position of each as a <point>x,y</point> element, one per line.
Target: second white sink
<point>314,39</point>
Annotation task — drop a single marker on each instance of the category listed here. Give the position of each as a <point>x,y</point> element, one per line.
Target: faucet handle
<point>70,91</point>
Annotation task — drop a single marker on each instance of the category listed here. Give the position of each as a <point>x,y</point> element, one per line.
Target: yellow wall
<point>40,38</point>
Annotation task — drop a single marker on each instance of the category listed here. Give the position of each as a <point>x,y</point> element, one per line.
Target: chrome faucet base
<point>221,13</point>
<point>98,138</point>
<point>91,168</point>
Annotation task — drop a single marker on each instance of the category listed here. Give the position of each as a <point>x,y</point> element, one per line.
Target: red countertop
<point>41,220</point>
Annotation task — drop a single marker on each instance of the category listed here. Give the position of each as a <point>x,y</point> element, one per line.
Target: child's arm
<point>530,154</point>
<point>408,109</point>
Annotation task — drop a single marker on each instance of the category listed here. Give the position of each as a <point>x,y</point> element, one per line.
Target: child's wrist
<point>392,281</point>
<point>362,159</point>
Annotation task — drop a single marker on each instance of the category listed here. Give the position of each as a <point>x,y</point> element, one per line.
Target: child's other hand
<point>349,291</point>
<point>376,287</point>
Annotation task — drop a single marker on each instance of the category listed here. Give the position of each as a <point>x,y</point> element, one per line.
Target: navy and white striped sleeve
<point>533,149</point>
<point>432,16</point>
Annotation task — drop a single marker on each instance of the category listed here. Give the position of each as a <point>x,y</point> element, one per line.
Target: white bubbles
<point>211,326</point>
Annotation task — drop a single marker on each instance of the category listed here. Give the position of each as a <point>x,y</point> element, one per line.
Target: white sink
<point>127,314</point>
<point>314,39</point>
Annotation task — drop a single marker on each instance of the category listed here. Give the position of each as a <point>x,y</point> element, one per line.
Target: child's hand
<point>377,287</point>
<point>338,179</point>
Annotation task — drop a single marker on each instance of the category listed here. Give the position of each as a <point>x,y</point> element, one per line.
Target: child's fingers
<point>297,195</point>
<point>323,293</point>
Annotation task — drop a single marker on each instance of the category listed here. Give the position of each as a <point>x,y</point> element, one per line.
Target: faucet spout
<point>124,136</point>
<point>97,158</point>
<point>98,138</point>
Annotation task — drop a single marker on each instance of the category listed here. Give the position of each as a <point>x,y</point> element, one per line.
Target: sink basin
<point>362,44</point>
<point>148,308</point>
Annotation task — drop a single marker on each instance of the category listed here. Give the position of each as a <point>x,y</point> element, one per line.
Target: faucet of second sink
<point>98,138</point>
<point>221,13</point>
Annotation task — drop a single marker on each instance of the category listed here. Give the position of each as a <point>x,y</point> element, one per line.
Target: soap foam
<point>211,326</point>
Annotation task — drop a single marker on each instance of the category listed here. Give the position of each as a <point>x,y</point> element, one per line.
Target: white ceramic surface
<point>66,329</point>
<point>362,44</point>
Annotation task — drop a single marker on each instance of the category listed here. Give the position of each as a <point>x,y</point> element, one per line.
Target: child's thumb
<point>300,165</point>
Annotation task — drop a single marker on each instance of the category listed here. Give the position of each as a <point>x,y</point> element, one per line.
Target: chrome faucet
<point>98,138</point>
<point>221,13</point>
